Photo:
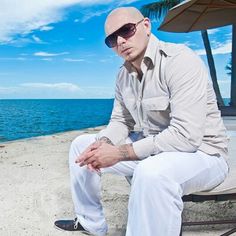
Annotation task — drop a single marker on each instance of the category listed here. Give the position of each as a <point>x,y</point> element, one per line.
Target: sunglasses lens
<point>111,40</point>
<point>125,31</point>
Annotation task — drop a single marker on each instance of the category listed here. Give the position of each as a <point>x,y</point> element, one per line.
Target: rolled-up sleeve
<point>121,121</point>
<point>186,77</point>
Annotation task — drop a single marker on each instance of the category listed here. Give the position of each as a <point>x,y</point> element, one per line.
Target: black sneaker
<point>70,225</point>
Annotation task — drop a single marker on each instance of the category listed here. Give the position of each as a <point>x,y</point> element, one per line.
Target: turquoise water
<point>29,118</point>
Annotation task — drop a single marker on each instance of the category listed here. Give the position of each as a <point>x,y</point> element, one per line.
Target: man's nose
<point>120,40</point>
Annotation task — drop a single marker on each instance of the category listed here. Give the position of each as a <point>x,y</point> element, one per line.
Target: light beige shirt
<point>174,104</point>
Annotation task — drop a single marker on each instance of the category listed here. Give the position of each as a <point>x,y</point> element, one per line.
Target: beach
<point>34,181</point>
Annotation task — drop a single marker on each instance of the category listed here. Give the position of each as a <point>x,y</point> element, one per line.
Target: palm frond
<point>157,10</point>
<point>228,67</point>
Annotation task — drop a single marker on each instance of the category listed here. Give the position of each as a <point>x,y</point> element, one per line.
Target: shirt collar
<point>154,46</point>
<point>152,49</point>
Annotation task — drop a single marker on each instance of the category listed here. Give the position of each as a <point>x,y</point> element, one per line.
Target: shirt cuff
<point>144,147</point>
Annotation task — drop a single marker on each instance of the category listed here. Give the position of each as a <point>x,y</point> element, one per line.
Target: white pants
<point>158,184</point>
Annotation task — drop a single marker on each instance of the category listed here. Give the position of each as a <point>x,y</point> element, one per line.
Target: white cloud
<point>73,60</point>
<point>212,31</point>
<point>90,14</point>
<point>46,28</point>
<point>58,86</point>
<point>46,54</point>
<point>56,90</point>
<point>223,48</point>
<point>190,44</point>
<point>215,44</point>
<point>126,2</point>
<point>37,39</point>
<point>229,35</point>
<point>200,52</point>
<point>23,17</point>
<point>220,48</point>
<point>81,39</point>
<point>18,41</point>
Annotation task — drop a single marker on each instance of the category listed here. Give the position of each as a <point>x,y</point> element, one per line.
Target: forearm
<point>126,151</point>
<point>106,140</point>
<point>116,131</point>
<point>169,140</point>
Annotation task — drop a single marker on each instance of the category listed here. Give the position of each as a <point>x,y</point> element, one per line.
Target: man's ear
<point>148,26</point>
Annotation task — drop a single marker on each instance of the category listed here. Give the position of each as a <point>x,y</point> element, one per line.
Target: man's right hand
<point>91,147</point>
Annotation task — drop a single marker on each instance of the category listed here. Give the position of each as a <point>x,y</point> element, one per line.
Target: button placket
<point>140,97</point>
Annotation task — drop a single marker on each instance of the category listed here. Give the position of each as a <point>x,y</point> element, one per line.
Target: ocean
<point>35,117</point>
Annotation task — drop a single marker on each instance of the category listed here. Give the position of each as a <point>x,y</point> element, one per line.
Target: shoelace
<point>76,222</point>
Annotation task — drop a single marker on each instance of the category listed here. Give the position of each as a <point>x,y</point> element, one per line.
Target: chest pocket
<point>157,111</point>
<point>156,103</point>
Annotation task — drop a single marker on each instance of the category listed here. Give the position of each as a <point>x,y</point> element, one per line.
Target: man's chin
<point>127,57</point>
<point>131,58</point>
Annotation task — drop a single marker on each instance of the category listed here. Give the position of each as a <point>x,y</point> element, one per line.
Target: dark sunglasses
<point>126,31</point>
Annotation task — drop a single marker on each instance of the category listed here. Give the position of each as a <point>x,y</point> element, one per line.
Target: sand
<point>34,191</point>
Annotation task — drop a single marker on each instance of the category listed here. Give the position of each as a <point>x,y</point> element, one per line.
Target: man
<point>165,130</point>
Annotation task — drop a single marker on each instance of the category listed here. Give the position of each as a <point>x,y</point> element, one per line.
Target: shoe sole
<point>81,231</point>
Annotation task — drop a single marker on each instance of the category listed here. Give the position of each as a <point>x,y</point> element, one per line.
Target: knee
<point>149,168</point>
<point>157,166</point>
<point>79,141</point>
<point>155,175</point>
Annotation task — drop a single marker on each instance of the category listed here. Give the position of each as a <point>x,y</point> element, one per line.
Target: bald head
<point>120,16</point>
<point>130,45</point>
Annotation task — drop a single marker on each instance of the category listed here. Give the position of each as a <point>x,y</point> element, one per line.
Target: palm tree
<point>229,67</point>
<point>159,9</point>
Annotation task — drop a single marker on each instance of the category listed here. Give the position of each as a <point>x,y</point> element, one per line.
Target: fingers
<point>90,148</point>
<point>92,163</point>
<point>95,145</point>
<point>87,158</point>
<point>92,168</point>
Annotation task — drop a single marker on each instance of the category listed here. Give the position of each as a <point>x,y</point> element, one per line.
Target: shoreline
<point>35,191</point>
<point>229,122</point>
<point>89,129</point>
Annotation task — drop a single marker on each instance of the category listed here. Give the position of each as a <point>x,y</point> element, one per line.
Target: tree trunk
<point>211,65</point>
<point>233,75</point>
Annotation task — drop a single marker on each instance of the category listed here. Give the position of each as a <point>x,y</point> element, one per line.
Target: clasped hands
<point>99,155</point>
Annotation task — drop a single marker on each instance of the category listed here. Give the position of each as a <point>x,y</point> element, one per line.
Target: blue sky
<point>55,49</point>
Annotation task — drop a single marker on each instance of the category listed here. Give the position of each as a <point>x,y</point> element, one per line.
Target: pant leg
<point>86,186</point>
<point>160,181</point>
